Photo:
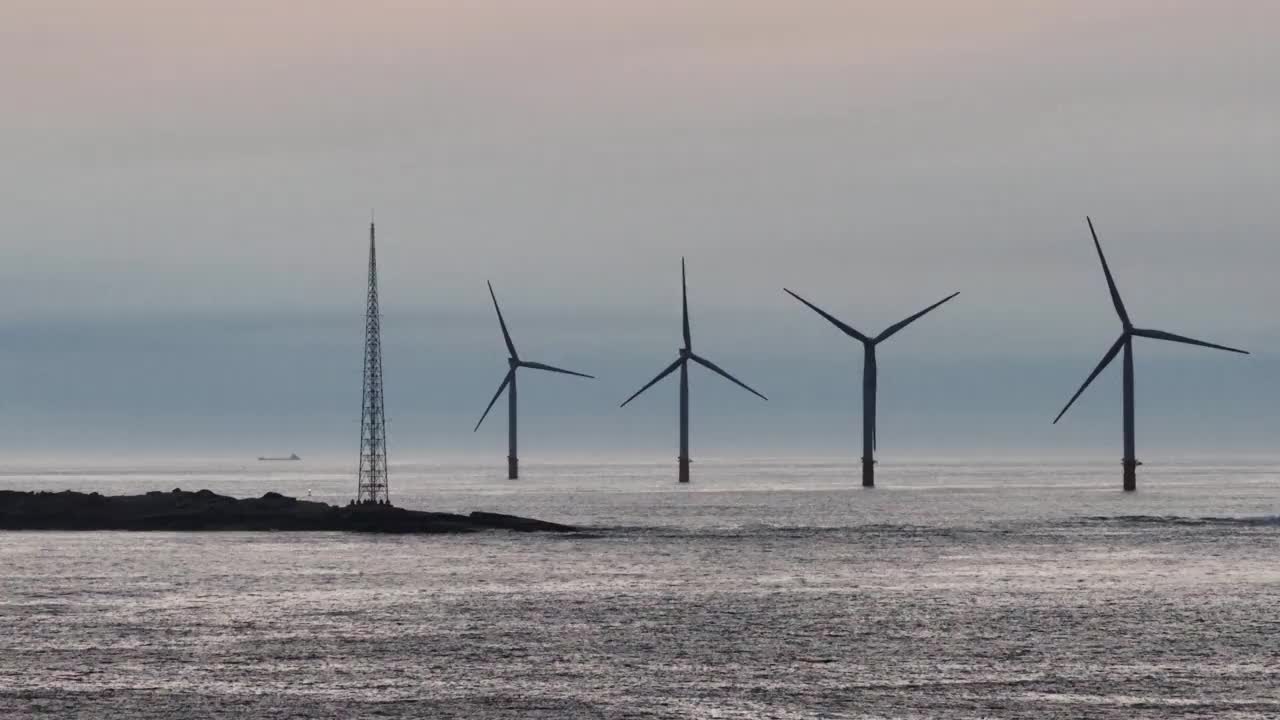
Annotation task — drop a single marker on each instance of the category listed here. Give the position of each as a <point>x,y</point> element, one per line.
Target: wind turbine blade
<point>1111,281</point>
<point>720,371</point>
<point>1162,335</point>
<point>511,347</point>
<point>830,318</point>
<point>505,381</point>
<point>1106,360</point>
<point>670,369</point>
<point>894,328</point>
<point>684,298</point>
<point>552,368</point>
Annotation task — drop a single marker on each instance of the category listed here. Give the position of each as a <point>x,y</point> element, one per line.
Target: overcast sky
<point>188,185</point>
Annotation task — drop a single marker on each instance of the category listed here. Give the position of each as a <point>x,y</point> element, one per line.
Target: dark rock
<point>205,510</point>
<point>514,522</point>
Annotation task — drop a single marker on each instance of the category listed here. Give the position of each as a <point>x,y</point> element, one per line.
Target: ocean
<point>765,589</point>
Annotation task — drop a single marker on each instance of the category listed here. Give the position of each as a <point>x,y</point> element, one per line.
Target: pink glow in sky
<point>181,134</point>
<point>130,57</point>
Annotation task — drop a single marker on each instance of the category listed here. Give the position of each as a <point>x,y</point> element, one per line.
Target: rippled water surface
<point>764,590</point>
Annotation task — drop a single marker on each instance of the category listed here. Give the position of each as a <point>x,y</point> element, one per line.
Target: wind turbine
<point>509,384</point>
<point>869,372</point>
<point>682,363</point>
<point>1125,343</point>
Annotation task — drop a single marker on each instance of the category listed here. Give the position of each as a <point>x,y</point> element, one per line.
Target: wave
<point>755,530</point>
<point>1257,521</point>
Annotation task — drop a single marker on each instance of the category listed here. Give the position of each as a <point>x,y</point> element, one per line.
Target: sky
<point>188,187</point>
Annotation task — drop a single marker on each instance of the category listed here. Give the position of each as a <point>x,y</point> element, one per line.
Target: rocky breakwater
<point>206,510</point>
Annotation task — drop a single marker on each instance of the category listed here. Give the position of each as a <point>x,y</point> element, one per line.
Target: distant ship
<point>292,457</point>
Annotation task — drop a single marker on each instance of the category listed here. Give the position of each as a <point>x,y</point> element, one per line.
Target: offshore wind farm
<point>247,468</point>
<point>372,484</point>
<point>784,537</point>
<point>373,442</point>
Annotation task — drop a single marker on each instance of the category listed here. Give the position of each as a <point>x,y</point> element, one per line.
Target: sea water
<point>765,589</point>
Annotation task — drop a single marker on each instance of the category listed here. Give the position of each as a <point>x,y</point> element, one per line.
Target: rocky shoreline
<point>206,510</point>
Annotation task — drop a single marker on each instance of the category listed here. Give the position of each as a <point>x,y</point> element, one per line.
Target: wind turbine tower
<point>682,363</point>
<point>509,385</point>
<point>1125,343</point>
<point>869,375</point>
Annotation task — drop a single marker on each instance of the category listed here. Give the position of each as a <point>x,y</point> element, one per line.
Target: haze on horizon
<point>189,186</point>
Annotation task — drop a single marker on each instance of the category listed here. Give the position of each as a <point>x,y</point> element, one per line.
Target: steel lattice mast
<point>371,485</point>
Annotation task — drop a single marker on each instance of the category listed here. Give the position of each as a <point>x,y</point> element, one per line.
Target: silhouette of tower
<point>1125,342</point>
<point>514,363</point>
<point>371,485</point>
<point>682,364</point>
<point>869,374</point>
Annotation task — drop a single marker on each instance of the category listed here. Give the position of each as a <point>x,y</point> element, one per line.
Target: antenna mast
<point>371,486</point>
